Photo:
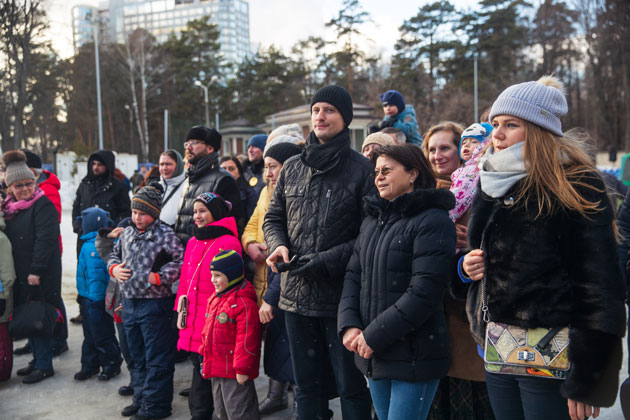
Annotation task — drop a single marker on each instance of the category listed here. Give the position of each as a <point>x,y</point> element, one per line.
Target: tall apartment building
<point>163,17</point>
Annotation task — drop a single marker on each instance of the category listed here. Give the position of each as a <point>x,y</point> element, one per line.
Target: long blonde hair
<point>557,167</point>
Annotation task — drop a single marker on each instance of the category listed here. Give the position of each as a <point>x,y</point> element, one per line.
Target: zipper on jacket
<point>328,194</point>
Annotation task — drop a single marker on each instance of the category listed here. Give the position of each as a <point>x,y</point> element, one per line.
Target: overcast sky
<point>279,22</point>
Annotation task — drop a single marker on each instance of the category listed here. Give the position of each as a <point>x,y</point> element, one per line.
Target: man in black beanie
<point>205,175</point>
<point>310,227</point>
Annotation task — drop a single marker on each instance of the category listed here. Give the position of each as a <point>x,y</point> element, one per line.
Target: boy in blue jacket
<point>100,348</point>
<point>400,116</point>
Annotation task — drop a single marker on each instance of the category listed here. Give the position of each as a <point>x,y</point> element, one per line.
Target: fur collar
<point>411,203</point>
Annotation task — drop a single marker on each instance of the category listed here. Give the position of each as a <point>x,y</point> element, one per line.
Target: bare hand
<point>33,280</point>
<point>462,234</point>
<point>474,264</point>
<point>265,312</point>
<point>118,308</point>
<point>241,379</point>
<point>349,339</point>
<point>280,254</point>
<point>581,411</point>
<point>257,252</point>
<point>121,273</point>
<point>363,349</point>
<point>115,233</point>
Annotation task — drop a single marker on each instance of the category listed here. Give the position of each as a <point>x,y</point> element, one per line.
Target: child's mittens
<point>154,279</point>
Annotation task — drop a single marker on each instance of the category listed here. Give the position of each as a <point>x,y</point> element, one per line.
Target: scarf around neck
<point>500,171</point>
<point>11,207</point>
<point>323,156</point>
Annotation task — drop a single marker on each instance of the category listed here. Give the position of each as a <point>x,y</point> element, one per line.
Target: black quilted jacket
<point>317,214</point>
<point>395,285</point>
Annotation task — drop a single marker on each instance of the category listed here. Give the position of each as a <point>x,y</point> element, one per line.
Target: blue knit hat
<point>258,140</point>
<point>393,97</point>
<point>230,264</point>
<point>94,218</point>
<point>541,103</point>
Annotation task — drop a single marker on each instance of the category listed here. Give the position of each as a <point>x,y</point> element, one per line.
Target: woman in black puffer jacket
<point>391,312</point>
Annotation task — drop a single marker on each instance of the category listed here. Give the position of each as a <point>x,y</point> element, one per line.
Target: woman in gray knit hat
<point>546,298</point>
<point>33,229</point>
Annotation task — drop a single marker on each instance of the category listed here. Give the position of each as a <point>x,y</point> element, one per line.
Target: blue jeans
<point>151,342</point>
<point>100,347</point>
<point>42,352</point>
<point>400,400</point>
<point>314,342</point>
<point>516,397</point>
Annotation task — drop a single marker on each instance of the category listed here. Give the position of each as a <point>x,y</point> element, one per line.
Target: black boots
<point>277,398</point>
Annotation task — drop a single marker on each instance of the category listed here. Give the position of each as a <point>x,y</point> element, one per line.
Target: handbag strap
<point>484,302</point>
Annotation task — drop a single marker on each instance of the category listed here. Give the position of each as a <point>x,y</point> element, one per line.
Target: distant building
<point>164,17</point>
<point>301,115</point>
<point>235,135</point>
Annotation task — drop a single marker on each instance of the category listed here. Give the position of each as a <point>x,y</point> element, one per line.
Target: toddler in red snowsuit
<point>230,341</point>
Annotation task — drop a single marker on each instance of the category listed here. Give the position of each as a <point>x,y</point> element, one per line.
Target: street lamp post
<point>205,98</point>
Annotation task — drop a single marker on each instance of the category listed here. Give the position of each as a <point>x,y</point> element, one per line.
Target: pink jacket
<point>464,183</point>
<point>195,278</point>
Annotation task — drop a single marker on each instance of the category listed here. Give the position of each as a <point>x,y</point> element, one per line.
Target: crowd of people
<point>471,273</point>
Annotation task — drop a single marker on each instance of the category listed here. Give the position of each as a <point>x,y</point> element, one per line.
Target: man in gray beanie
<point>310,227</point>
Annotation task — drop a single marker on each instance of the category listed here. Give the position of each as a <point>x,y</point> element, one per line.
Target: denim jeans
<point>516,397</point>
<point>42,352</point>
<point>151,342</point>
<point>400,400</point>
<point>314,342</point>
<point>100,347</point>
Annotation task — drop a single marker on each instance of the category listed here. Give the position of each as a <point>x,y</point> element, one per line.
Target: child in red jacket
<point>230,341</point>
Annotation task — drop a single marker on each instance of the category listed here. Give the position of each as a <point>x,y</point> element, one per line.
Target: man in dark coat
<point>205,175</point>
<point>99,188</point>
<point>254,167</point>
<point>310,227</point>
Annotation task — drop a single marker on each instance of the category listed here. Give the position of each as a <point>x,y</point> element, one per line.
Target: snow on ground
<point>61,397</point>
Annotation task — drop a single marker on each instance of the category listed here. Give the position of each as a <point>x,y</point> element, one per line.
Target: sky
<point>279,22</point>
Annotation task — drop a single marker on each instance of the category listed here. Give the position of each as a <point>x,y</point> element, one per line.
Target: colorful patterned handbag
<point>527,351</point>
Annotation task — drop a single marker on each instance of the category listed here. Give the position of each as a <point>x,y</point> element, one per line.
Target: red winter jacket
<point>50,186</point>
<point>230,342</point>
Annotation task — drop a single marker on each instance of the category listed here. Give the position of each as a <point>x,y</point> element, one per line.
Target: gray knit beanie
<point>149,199</point>
<point>541,103</point>
<point>16,168</point>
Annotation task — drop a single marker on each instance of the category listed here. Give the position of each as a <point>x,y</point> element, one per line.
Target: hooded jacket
<point>395,283</point>
<point>230,342</point>
<point>316,214</point>
<point>195,279</point>
<point>206,176</point>
<point>92,275</point>
<point>554,271</point>
<point>104,191</point>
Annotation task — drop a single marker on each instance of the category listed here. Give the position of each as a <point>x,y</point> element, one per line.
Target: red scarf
<point>11,207</point>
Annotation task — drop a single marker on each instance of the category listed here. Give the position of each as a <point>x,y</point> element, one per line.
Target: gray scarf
<point>500,171</point>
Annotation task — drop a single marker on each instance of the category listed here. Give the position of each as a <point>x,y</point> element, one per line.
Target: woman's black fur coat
<point>553,271</point>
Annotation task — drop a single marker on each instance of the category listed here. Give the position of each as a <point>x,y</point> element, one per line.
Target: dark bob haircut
<point>237,162</point>
<point>411,157</point>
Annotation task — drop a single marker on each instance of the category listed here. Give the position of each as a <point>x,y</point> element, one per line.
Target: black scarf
<point>210,232</point>
<point>203,166</point>
<point>324,156</point>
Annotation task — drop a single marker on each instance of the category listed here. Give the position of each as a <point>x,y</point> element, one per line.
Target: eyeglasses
<point>384,172</point>
<point>23,185</point>
<point>192,143</point>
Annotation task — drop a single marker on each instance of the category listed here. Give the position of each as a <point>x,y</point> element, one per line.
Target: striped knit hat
<point>541,103</point>
<point>230,264</point>
<point>149,199</point>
